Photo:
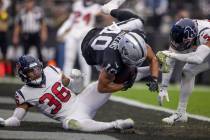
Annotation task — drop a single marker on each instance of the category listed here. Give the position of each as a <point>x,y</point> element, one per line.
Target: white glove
<point>75,73</point>
<point>76,82</point>
<point>163,93</point>
<point>2,122</point>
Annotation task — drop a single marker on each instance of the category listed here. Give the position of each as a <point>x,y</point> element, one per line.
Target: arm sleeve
<point>196,57</point>
<point>16,118</point>
<point>167,76</point>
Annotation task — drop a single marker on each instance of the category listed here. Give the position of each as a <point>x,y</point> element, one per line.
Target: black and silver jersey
<point>100,47</point>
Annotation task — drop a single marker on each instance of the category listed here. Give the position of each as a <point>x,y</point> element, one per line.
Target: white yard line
<point>7,100</point>
<point>25,135</point>
<point>30,116</point>
<point>152,107</point>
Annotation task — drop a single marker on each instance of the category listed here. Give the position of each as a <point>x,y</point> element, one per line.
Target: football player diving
<point>119,50</point>
<point>190,44</point>
<point>53,94</point>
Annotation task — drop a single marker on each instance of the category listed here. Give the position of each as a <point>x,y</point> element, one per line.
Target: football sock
<point>187,85</point>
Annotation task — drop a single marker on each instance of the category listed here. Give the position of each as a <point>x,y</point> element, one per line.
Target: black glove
<point>130,82</point>
<point>153,84</point>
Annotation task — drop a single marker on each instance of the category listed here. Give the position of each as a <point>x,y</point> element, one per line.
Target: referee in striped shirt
<point>30,27</point>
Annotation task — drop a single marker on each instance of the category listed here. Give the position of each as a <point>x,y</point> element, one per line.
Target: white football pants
<point>188,81</point>
<point>85,107</point>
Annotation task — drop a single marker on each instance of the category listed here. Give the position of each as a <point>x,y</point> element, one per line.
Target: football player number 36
<point>62,94</point>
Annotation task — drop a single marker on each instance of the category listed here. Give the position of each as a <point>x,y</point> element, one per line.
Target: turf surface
<point>199,102</point>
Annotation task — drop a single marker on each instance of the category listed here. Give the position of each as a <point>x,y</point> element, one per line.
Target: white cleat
<point>124,124</point>
<point>113,4</point>
<point>176,117</point>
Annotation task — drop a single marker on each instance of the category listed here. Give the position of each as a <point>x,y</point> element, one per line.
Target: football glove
<point>153,84</point>
<point>162,59</point>
<point>76,81</point>
<point>130,82</point>
<point>163,93</point>
<point>2,122</point>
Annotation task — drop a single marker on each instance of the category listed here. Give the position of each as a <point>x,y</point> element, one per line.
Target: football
<point>124,75</point>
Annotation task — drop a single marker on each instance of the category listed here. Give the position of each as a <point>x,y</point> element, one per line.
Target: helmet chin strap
<point>37,81</point>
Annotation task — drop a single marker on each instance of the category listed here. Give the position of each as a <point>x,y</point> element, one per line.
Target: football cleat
<point>176,117</point>
<point>124,124</point>
<point>113,4</point>
<point>162,59</point>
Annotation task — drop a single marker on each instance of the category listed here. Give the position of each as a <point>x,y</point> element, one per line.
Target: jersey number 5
<point>62,94</point>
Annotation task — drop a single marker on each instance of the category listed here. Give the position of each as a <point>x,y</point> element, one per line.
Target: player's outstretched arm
<point>17,116</point>
<point>154,69</point>
<point>106,84</point>
<point>196,57</point>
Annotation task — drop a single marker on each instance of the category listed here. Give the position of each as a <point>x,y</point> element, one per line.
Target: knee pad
<point>71,124</point>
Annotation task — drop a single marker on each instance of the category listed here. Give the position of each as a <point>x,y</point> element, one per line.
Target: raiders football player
<point>119,50</point>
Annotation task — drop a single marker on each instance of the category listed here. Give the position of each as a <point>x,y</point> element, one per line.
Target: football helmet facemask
<point>183,34</point>
<point>30,70</point>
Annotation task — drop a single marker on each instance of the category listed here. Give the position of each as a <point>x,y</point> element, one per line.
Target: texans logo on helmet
<point>189,32</point>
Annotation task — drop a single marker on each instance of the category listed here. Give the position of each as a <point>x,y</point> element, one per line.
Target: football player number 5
<point>62,94</point>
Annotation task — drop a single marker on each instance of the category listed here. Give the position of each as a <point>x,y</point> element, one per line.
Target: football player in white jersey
<point>72,33</point>
<point>190,44</point>
<point>53,94</point>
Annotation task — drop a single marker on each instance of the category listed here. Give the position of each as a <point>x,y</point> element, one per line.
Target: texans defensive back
<point>53,94</point>
<point>190,44</point>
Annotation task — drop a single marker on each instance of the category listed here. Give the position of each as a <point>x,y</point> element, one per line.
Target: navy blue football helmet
<point>30,70</point>
<point>183,33</point>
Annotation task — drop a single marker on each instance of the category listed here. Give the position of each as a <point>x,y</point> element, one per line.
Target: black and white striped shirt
<point>30,21</point>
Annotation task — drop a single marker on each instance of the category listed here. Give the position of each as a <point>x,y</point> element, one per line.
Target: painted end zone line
<point>152,107</point>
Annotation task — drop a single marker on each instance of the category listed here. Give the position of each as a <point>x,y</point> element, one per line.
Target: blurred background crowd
<point>32,27</point>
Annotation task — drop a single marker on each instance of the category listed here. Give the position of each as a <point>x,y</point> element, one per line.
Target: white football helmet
<point>132,48</point>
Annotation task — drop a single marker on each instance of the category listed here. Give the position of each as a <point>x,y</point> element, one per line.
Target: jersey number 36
<point>62,94</point>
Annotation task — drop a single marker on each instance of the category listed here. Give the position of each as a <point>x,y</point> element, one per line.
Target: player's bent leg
<point>88,125</point>
<point>90,100</point>
<point>69,55</point>
<point>113,4</point>
<point>86,69</point>
<point>187,85</point>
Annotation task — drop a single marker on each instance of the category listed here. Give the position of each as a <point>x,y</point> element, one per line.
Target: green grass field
<point>199,102</point>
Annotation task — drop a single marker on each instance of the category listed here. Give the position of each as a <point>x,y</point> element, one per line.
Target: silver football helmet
<point>132,48</point>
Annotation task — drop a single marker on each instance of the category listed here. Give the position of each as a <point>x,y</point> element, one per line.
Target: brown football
<point>124,75</point>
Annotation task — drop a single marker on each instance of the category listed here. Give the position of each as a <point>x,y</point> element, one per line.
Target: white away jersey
<point>54,100</point>
<point>203,31</point>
